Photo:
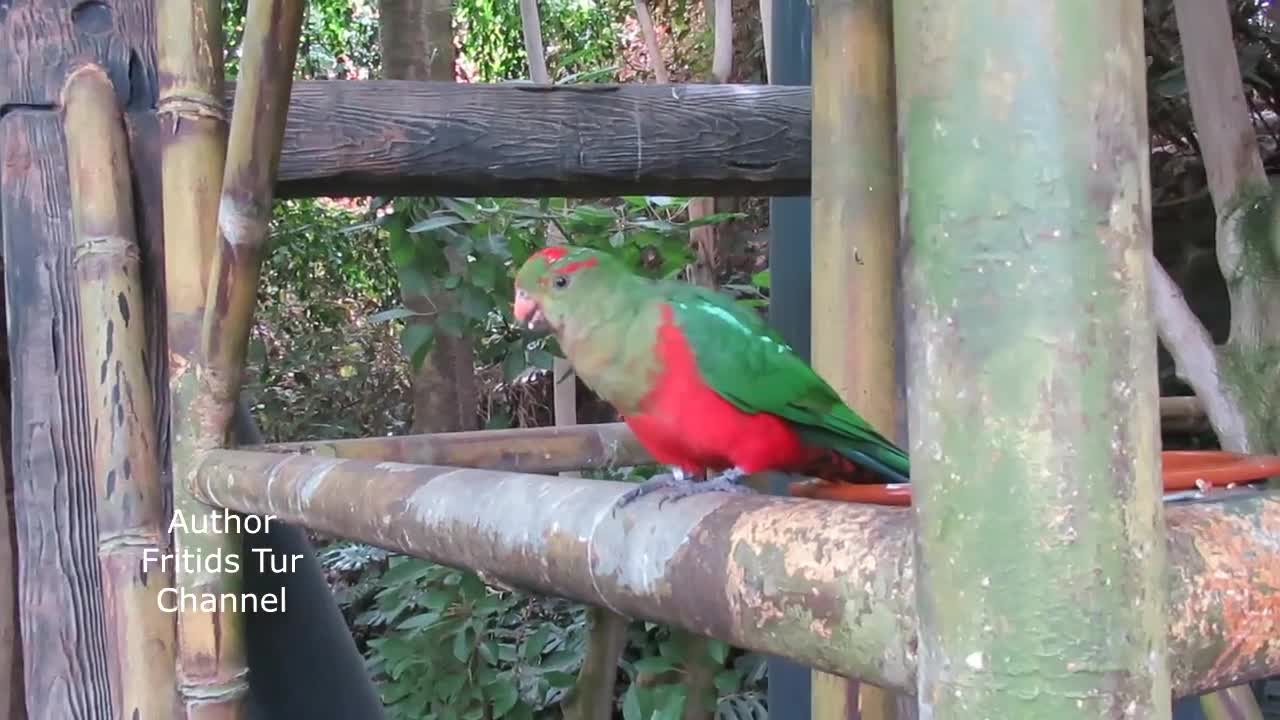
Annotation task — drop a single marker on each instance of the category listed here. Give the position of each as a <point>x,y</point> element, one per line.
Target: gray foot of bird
<point>683,486</point>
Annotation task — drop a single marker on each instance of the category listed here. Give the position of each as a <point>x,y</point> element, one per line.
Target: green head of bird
<point>558,281</point>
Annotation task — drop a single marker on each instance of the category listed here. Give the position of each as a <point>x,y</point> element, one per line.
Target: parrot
<point>701,380</point>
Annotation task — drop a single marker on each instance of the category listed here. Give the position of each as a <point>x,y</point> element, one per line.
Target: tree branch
<point>1196,358</point>
<point>1227,138</point>
<point>650,33</point>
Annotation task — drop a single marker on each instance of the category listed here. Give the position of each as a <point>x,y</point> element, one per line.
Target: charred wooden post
<point>1033,419</point>
<point>855,237</point>
<point>827,584</point>
<point>523,140</point>
<point>58,573</point>
<point>132,540</point>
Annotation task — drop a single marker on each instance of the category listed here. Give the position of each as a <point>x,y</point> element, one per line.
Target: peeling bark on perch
<point>827,584</point>
<point>130,497</point>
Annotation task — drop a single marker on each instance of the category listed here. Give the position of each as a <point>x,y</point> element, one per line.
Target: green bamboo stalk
<point>130,498</point>
<point>212,676</point>
<point>855,234</point>
<point>1033,414</point>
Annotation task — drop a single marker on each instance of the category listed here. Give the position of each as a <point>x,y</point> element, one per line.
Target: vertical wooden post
<point>855,239</point>
<point>132,541</point>
<point>1040,552</point>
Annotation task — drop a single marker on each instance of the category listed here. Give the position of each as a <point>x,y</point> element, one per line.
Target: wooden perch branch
<point>826,584</point>
<point>1196,358</point>
<point>126,472</point>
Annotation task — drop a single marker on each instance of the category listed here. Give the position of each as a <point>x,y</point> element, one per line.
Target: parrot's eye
<point>561,281</point>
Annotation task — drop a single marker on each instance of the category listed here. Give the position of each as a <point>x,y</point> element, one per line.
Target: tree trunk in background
<point>417,44</point>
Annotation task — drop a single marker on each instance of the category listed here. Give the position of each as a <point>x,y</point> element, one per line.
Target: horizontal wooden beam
<point>574,447</point>
<point>370,137</point>
<point>530,450</point>
<point>826,584</point>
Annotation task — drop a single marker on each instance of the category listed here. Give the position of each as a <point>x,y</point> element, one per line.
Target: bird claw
<point>682,486</point>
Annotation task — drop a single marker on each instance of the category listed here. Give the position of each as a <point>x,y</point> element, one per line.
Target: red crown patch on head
<point>553,253</point>
<point>577,265</point>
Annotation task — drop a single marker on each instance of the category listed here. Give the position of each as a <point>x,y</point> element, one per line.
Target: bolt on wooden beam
<point>1032,375</point>
<point>827,584</point>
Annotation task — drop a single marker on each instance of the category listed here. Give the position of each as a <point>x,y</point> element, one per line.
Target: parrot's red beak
<point>529,313</point>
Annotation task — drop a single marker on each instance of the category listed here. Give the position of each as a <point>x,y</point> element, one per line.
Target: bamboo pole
<point>561,448</point>
<point>536,450</point>
<point>212,676</point>
<point>855,234</point>
<point>827,584</point>
<point>132,540</point>
<point>1033,414</point>
<point>272,31</point>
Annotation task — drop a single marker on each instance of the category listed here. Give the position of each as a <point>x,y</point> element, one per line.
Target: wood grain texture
<point>364,137</point>
<point>63,631</point>
<point>12,702</point>
<point>41,41</point>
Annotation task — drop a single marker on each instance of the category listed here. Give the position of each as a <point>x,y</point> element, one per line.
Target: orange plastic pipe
<point>1182,470</point>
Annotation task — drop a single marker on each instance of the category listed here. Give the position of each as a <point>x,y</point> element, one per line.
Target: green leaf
<point>392,314</point>
<point>504,697</point>
<point>534,644</point>
<point>560,680</point>
<point>448,686</point>
<point>464,644</point>
<point>435,222</point>
<point>653,665</point>
<point>417,340</point>
<point>451,323</point>
<point>719,650</point>
<point>727,680</point>
<point>762,279</point>
<point>419,621</point>
<point>631,704</point>
<point>714,218</point>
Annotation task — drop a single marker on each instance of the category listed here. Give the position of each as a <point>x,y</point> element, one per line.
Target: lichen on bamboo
<point>1033,410</point>
<point>127,480</point>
